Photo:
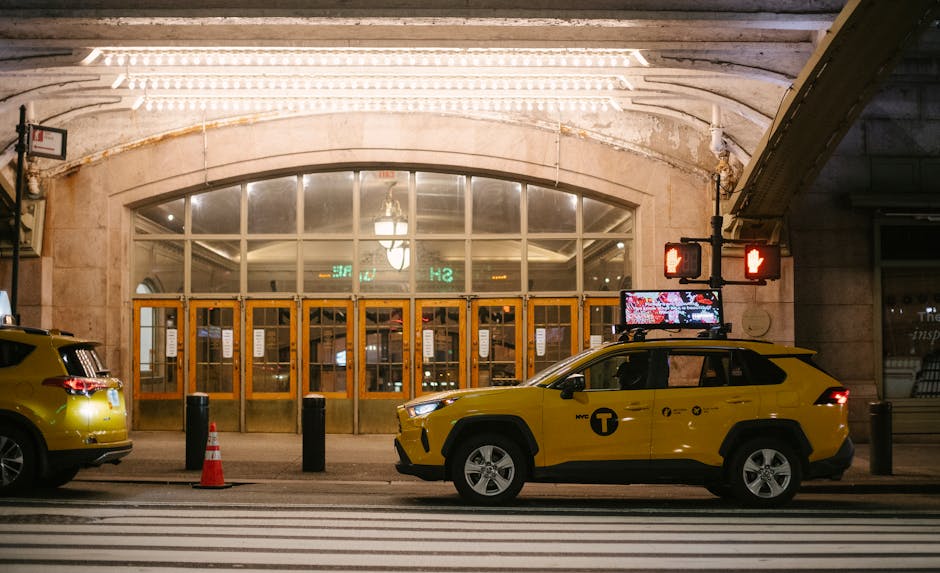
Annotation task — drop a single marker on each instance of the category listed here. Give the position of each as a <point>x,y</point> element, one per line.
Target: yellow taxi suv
<point>60,410</point>
<point>748,420</point>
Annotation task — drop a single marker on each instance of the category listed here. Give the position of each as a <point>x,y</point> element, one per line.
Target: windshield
<point>545,376</point>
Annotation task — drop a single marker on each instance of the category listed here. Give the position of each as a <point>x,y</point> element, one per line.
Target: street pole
<point>21,130</point>
<point>717,240</point>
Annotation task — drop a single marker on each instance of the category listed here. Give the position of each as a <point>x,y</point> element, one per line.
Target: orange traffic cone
<point>212,465</point>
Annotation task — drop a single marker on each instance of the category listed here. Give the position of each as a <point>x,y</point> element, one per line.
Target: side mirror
<point>572,384</point>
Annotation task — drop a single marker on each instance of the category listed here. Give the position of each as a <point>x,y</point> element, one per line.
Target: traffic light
<point>682,260</point>
<point>761,262</point>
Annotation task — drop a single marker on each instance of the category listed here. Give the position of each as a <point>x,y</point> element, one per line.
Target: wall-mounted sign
<point>484,338</point>
<point>172,342</point>
<point>441,274</point>
<point>258,345</point>
<point>228,346</point>
<point>46,142</point>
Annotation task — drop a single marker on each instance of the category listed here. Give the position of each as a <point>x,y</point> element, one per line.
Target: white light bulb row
<point>437,57</point>
<point>236,104</point>
<point>366,82</point>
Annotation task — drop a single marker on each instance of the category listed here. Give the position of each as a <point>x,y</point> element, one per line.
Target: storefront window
<point>159,263</point>
<point>216,266</point>
<point>607,264</point>
<point>328,266</point>
<point>163,218</point>
<point>439,200</point>
<point>272,206</point>
<point>272,266</point>
<point>440,266</point>
<point>496,266</point>
<point>551,210</point>
<point>496,205</point>
<point>552,264</point>
<point>218,211</point>
<point>328,202</point>
<point>911,327</point>
<point>603,217</point>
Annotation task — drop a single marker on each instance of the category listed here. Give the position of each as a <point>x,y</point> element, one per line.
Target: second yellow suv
<point>60,409</point>
<point>748,420</point>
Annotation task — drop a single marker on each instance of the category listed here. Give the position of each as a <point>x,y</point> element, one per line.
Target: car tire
<point>59,477</point>
<point>17,460</point>
<point>765,473</point>
<point>488,469</point>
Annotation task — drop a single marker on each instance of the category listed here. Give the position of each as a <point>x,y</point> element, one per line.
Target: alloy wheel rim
<point>767,473</point>
<point>11,460</point>
<point>489,470</point>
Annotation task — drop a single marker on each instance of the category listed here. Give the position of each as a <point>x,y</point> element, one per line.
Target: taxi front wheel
<point>488,469</point>
<point>765,473</point>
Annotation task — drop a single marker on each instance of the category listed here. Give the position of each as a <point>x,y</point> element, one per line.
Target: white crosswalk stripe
<point>154,537</point>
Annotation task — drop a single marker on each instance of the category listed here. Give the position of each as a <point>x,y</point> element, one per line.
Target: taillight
<point>836,395</point>
<point>76,384</point>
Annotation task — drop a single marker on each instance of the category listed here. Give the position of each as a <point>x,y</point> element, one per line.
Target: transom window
<point>383,232</point>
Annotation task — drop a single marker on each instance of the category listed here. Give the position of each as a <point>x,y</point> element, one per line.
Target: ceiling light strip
<point>374,57</point>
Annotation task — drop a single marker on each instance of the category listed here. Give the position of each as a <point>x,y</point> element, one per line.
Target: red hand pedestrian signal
<point>762,262</point>
<point>682,260</point>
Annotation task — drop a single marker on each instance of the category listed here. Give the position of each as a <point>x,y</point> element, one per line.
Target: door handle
<point>637,406</point>
<point>738,400</point>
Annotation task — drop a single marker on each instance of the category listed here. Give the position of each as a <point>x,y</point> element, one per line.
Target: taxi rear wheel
<point>765,473</point>
<point>17,460</point>
<point>488,469</point>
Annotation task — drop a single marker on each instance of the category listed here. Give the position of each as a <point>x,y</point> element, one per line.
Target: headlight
<point>424,408</point>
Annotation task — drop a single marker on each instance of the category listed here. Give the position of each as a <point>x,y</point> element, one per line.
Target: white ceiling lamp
<point>399,257</point>
<point>390,222</point>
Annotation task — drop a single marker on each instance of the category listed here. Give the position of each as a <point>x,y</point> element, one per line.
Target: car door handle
<point>637,406</point>
<point>738,400</point>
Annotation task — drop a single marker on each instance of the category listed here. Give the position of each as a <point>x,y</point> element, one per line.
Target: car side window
<point>12,353</point>
<point>629,371</point>
<point>706,369</point>
<point>758,370</point>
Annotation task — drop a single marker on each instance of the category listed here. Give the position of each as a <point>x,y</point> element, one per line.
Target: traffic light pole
<point>717,241</point>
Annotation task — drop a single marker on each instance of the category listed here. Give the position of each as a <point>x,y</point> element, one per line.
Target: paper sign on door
<point>484,337</point>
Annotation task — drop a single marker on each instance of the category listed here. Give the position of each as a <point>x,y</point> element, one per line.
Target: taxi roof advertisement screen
<point>670,308</point>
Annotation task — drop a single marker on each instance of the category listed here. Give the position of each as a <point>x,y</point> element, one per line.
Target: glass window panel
<point>552,264</point>
<point>384,270</point>
<point>159,264</point>
<point>164,218</point>
<point>215,266</point>
<point>328,266</point>
<point>272,371</point>
<point>218,211</point>
<point>496,205</point>
<point>911,330</point>
<point>551,210</point>
<point>385,349</point>
<point>328,202</point>
<point>272,266</point>
<point>439,199</point>
<point>440,330</point>
<point>327,338</point>
<point>375,188</point>
<point>603,217</point>
<point>215,368</point>
<point>158,372</point>
<point>440,266</point>
<point>496,265</point>
<point>608,264</point>
<point>272,206</point>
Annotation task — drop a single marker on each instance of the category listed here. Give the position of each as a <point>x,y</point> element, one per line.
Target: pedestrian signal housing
<point>682,260</point>
<point>761,262</point>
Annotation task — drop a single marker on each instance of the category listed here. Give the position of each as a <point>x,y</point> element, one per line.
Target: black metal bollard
<point>313,422</point>
<point>881,442</point>
<point>197,429</point>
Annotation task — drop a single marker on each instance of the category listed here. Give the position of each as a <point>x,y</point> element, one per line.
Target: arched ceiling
<point>673,80</point>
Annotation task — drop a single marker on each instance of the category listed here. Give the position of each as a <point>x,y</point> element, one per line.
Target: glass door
<point>271,366</point>
<point>384,362</point>
<point>158,365</point>
<point>552,332</point>
<point>496,342</point>
<point>328,353</point>
<point>214,339</point>
<point>440,357</point>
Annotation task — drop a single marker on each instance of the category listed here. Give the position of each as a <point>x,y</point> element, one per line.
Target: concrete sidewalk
<point>161,457</point>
